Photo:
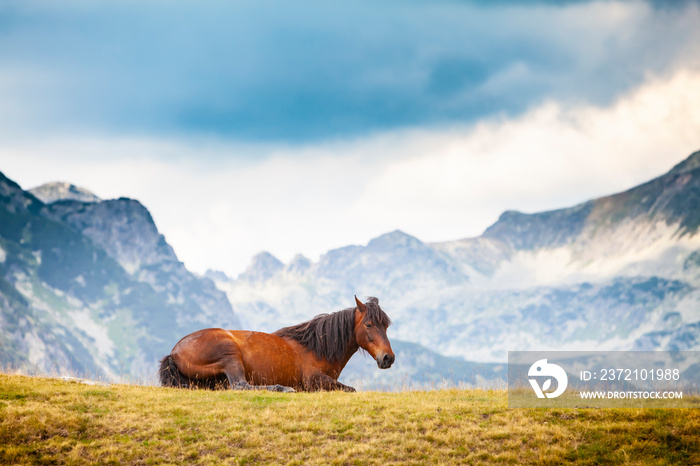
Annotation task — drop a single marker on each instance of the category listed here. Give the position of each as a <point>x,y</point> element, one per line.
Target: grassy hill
<point>46,421</point>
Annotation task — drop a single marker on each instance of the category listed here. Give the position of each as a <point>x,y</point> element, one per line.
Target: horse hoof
<point>283,389</point>
<point>242,386</point>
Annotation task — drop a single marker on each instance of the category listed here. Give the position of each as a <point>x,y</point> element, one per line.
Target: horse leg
<point>236,383</point>
<point>235,373</point>
<point>322,381</point>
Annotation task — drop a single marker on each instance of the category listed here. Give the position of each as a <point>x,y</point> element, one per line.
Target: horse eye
<point>368,325</point>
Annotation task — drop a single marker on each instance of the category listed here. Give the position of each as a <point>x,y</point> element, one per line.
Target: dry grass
<point>52,421</point>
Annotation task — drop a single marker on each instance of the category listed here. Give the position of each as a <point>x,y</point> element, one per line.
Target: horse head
<point>370,331</point>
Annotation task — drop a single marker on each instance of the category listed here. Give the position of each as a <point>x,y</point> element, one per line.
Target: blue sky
<point>351,94</point>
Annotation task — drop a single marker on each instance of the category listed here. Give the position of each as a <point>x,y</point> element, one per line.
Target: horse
<point>305,357</point>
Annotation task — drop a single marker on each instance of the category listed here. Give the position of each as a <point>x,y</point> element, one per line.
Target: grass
<point>48,421</point>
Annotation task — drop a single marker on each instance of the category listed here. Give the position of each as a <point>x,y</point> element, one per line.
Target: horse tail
<point>170,375</point>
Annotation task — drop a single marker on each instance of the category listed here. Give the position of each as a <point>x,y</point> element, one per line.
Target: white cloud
<point>218,205</point>
<point>461,180</point>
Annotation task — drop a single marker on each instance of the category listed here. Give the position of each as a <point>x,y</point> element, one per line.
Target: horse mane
<point>328,335</point>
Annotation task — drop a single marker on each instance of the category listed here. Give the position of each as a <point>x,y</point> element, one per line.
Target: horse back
<point>266,359</point>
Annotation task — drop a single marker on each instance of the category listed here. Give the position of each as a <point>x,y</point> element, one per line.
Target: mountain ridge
<point>71,297</point>
<point>604,211</point>
<point>688,164</point>
<point>97,284</point>
<point>615,272</point>
<point>49,193</point>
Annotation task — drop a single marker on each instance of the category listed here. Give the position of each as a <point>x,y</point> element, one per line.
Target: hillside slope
<point>48,421</point>
<point>93,287</point>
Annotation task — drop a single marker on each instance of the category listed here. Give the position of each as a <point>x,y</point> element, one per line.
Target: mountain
<point>418,367</point>
<point>52,192</point>
<point>91,286</point>
<point>620,272</point>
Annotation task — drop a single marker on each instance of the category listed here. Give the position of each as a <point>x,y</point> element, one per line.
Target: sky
<point>299,127</point>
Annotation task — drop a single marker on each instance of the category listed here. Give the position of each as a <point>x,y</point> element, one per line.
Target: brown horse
<point>307,356</point>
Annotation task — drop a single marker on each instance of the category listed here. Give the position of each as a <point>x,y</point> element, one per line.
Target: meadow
<point>51,421</point>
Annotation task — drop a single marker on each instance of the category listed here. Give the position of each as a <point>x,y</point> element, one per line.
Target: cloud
<point>218,206</point>
<point>309,71</point>
<point>300,127</point>
<point>551,157</point>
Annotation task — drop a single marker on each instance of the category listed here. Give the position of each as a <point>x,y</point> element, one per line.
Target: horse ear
<point>360,306</point>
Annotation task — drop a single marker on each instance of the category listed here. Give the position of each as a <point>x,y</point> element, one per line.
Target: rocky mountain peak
<point>689,164</point>
<point>216,276</point>
<point>14,199</point>
<point>108,293</point>
<point>123,227</point>
<point>263,266</point>
<point>299,264</point>
<point>668,198</point>
<point>532,231</point>
<point>59,191</point>
<point>394,239</point>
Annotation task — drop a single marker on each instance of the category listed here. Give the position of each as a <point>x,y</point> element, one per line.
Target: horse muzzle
<point>384,361</point>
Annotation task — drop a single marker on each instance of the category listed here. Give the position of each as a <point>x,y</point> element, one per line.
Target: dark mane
<point>375,314</point>
<point>328,335</point>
